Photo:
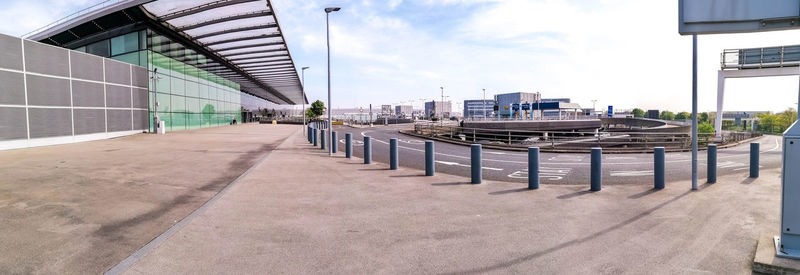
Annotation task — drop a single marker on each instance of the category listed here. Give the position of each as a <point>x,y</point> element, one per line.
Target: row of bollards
<point>476,172</point>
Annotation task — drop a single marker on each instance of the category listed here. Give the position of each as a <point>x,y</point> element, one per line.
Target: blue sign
<point>515,106</point>
<point>526,106</point>
<point>610,111</point>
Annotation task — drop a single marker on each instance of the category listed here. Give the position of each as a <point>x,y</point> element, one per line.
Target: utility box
<point>788,244</point>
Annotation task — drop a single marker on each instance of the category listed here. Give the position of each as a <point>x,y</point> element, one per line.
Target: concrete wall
<point>50,95</point>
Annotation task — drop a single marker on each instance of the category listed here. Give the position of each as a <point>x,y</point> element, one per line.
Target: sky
<point>625,53</point>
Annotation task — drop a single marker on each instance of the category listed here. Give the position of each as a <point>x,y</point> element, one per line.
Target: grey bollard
<point>475,152</point>
<point>533,168</point>
<point>754,147</point>
<point>712,163</point>
<point>315,137</point>
<point>658,168</point>
<point>322,140</point>
<point>308,134</point>
<point>393,154</point>
<point>597,170</point>
<point>367,150</point>
<point>334,142</point>
<point>348,145</point>
<point>430,164</point>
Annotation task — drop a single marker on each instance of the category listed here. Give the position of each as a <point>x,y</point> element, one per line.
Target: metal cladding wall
<point>50,95</point>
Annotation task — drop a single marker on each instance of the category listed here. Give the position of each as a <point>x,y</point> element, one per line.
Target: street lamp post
<point>303,73</point>
<point>441,111</point>
<point>484,104</point>
<point>330,109</point>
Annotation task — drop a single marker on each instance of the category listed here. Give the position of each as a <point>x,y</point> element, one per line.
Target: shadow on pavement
<point>645,193</point>
<point>374,169</point>
<point>450,183</point>
<point>571,243</point>
<point>748,180</point>
<point>576,194</point>
<point>407,176</point>
<point>510,191</point>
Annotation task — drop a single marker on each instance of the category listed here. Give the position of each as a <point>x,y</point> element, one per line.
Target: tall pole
<point>441,115</point>
<point>330,106</point>
<point>484,104</point>
<point>303,73</point>
<point>694,112</point>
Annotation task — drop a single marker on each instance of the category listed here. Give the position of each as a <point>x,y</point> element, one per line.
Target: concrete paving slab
<point>82,208</point>
<point>300,211</point>
<point>766,261</point>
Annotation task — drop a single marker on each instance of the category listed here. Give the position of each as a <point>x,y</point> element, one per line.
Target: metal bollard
<point>658,168</point>
<point>429,159</point>
<point>334,142</point>
<point>322,140</point>
<point>308,134</point>
<point>393,154</point>
<point>754,159</point>
<point>475,150</point>
<point>597,170</point>
<point>348,145</point>
<point>533,167</point>
<point>367,150</point>
<point>711,173</point>
<point>315,137</point>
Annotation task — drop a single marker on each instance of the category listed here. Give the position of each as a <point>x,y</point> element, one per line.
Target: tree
<point>702,117</point>
<point>705,128</point>
<point>316,109</point>
<point>766,122</point>
<point>785,119</point>
<point>638,112</point>
<point>667,115</point>
<point>683,116</point>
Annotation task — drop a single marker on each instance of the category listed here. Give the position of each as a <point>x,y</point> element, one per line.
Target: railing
<point>756,58</point>
<point>623,141</point>
<point>74,15</point>
<point>571,116</point>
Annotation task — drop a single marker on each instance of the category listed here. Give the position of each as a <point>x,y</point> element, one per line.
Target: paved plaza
<point>86,207</point>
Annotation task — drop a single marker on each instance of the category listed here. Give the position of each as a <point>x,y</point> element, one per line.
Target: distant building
<point>478,108</point>
<point>737,120</point>
<point>506,103</point>
<point>403,110</point>
<point>440,109</point>
<point>564,100</point>
<point>386,110</point>
<point>652,114</point>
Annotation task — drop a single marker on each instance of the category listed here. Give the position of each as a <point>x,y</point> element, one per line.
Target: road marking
<point>496,153</point>
<point>411,141</point>
<point>610,158</point>
<point>344,141</point>
<point>548,173</point>
<point>745,168</point>
<point>729,164</point>
<point>631,173</point>
<point>464,165</point>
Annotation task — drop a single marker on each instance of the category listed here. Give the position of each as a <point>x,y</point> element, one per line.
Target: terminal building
<point>193,64</point>
<point>403,110</point>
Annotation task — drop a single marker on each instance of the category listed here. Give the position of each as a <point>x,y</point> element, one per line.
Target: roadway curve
<point>555,168</point>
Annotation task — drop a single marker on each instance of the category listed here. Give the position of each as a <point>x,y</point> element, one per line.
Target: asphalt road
<point>555,168</point>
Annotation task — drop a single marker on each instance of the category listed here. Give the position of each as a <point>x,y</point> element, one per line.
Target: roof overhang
<point>243,37</point>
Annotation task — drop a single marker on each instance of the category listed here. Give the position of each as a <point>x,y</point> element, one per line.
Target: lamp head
<point>329,10</point>
<point>304,68</point>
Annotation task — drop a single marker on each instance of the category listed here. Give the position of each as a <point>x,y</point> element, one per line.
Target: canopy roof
<point>243,36</point>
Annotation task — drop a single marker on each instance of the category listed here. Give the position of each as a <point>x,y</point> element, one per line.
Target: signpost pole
<point>694,112</point>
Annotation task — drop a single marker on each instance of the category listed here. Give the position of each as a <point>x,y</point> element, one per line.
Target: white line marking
<point>464,165</point>
<point>631,173</point>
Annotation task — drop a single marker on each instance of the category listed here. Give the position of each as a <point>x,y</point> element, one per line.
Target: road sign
<point>736,16</point>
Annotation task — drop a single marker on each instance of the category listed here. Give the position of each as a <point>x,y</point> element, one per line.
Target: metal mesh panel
<point>12,123</point>
<point>119,120</point>
<point>48,91</point>
<point>118,96</point>
<point>50,122</point>
<point>46,59</point>
<point>140,77</point>
<point>118,72</point>
<point>87,94</point>
<point>89,121</point>
<point>86,66</point>
<point>140,120</point>
<point>12,88</point>
<point>140,99</point>
<point>11,54</point>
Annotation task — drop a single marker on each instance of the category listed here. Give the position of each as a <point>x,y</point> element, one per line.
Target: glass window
<point>125,43</point>
<point>132,58</point>
<point>81,49</point>
<point>98,48</point>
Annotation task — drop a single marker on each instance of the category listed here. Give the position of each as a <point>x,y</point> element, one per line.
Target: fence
<point>620,141</point>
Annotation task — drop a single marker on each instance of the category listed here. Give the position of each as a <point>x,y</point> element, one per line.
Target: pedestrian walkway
<point>300,211</point>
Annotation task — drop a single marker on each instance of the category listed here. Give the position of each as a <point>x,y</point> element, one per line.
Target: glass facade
<point>188,97</point>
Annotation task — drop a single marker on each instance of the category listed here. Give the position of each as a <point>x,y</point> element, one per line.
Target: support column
<point>720,96</point>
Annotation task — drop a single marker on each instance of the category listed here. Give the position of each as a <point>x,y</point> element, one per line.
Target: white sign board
<point>736,16</point>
